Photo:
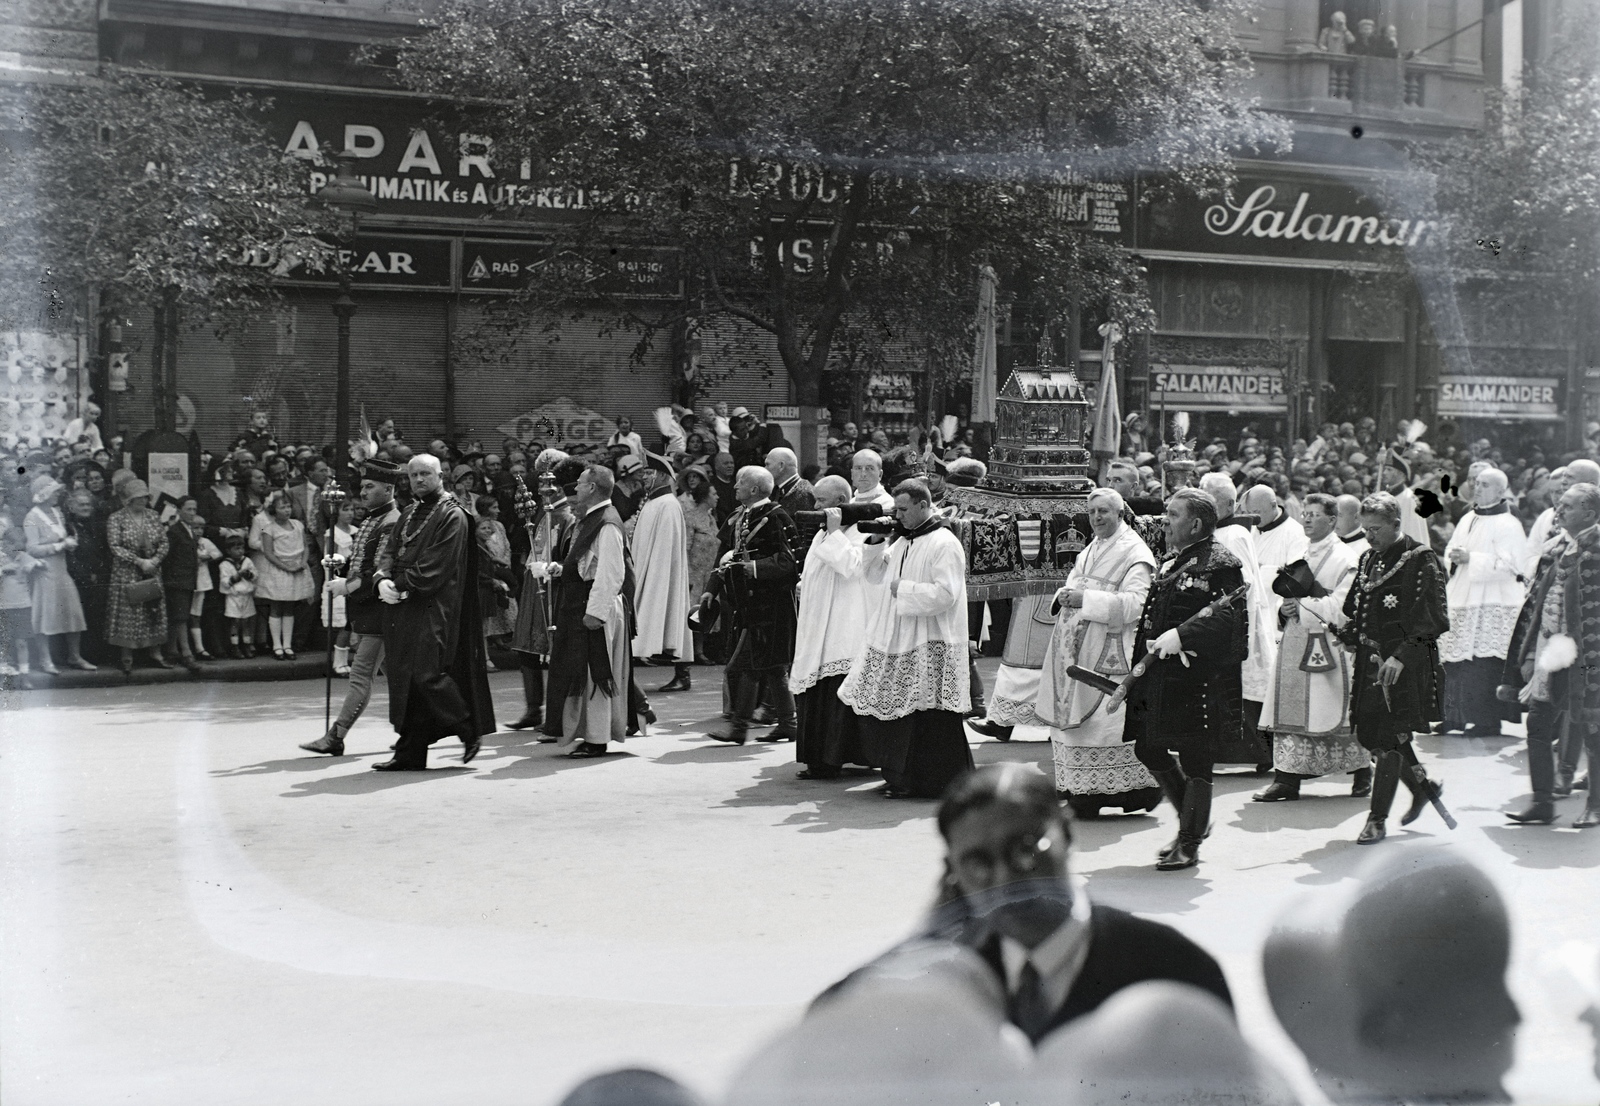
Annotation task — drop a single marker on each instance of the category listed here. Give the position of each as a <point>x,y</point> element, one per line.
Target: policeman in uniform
<point>755,579</point>
<point>1396,610</point>
<point>1188,699</point>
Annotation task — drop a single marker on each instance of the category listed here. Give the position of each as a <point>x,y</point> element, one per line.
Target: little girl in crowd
<point>343,539</point>
<point>236,579</point>
<point>16,598</point>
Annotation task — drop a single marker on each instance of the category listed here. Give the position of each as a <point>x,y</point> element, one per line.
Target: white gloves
<point>1169,645</point>
<point>388,592</point>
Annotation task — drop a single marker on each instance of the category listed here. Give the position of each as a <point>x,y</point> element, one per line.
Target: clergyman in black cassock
<point>438,675</point>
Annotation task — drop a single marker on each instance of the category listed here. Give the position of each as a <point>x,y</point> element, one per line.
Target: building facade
<point>1319,289</point>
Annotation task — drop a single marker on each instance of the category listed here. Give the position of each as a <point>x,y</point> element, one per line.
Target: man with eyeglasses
<point>1008,895</point>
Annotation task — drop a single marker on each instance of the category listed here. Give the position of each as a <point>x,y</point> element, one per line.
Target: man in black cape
<point>438,675</point>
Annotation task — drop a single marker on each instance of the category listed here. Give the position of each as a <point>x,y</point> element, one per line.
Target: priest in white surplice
<point>1279,540</point>
<point>831,635</point>
<point>1255,675</point>
<point>1099,606</point>
<point>660,549</point>
<point>866,478</point>
<point>909,688</point>
<point>1309,709</point>
<point>1485,591</point>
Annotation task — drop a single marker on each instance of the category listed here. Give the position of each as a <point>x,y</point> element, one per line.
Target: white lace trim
<point>1317,756</point>
<point>1012,712</point>
<point>1093,771</point>
<point>822,672</point>
<point>933,676</point>
<point>1477,631</point>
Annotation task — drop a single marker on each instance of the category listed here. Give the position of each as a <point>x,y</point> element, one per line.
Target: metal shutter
<point>538,385</point>
<point>286,362</point>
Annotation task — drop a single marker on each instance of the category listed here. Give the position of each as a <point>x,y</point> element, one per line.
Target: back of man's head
<point>1261,501</point>
<point>1396,989</point>
<point>1583,471</point>
<point>1219,486</point>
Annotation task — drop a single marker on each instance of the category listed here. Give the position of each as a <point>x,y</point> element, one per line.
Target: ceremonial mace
<point>333,497</point>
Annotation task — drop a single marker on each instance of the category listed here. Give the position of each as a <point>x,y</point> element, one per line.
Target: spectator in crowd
<point>185,563</point>
<point>723,473</point>
<point>1394,987</point>
<point>283,579</point>
<point>57,609</point>
<point>626,437</point>
<point>1007,893</point>
<point>752,439</point>
<point>236,579</point>
<point>1336,37</point>
<point>699,502</point>
<point>257,438</point>
<point>16,598</point>
<point>136,616</point>
<point>496,582</point>
<point>89,563</point>
<point>331,607</point>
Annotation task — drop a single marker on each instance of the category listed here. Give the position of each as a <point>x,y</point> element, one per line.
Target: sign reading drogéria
<point>1520,397</point>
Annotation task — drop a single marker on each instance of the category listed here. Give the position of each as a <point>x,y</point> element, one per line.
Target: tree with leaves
<point>153,194</point>
<point>835,173</point>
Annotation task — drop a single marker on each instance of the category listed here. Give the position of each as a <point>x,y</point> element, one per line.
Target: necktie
<point>1030,1009</point>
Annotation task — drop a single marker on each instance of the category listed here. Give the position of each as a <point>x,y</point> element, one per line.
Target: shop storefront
<point>1298,299</point>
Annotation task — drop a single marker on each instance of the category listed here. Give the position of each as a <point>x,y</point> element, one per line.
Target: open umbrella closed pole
<point>984,361</point>
<point>1107,440</point>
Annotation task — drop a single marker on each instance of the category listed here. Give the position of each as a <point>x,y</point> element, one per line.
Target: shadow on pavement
<point>1092,834</point>
<point>541,761</point>
<point>849,802</point>
<point>1307,813</point>
<point>366,783</point>
<point>1548,847</point>
<point>1142,889</point>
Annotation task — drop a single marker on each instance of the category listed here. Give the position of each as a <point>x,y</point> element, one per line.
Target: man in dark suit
<point>1007,895</point>
<point>755,581</point>
<point>791,492</point>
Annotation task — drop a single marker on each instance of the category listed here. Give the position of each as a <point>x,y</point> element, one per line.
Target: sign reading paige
<point>561,423</point>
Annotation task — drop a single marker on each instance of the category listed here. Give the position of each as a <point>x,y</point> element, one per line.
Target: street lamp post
<point>347,198</point>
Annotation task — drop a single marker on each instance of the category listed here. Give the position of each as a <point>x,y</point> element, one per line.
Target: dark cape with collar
<point>1123,950</point>
<point>577,651</point>
<point>438,675</point>
<point>763,605</point>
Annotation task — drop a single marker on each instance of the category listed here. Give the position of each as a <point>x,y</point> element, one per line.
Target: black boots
<point>680,679</point>
<point>1285,787</point>
<point>1540,812</point>
<point>1194,823</point>
<point>1423,791</point>
<point>991,729</point>
<point>1361,783</point>
<point>1173,784</point>
<point>532,699</point>
<point>1385,780</point>
<point>744,694</point>
<point>330,743</point>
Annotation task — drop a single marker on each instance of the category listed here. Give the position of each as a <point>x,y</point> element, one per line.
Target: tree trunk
<point>158,369</point>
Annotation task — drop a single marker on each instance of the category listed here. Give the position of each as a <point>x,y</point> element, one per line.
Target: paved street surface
<point>196,912</point>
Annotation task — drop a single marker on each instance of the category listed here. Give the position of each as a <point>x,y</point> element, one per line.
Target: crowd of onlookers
<point>96,570</point>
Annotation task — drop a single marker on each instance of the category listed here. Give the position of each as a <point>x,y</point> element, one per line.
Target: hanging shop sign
<point>1216,388</point>
<point>1530,398</point>
<point>416,159</point>
<point>634,272</point>
<point>373,261</point>
<point>1285,218</point>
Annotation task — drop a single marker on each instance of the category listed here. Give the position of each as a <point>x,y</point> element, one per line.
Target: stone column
<point>1301,24</point>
